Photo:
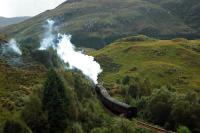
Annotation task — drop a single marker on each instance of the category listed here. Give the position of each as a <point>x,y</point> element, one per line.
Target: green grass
<point>16,84</point>
<point>164,62</point>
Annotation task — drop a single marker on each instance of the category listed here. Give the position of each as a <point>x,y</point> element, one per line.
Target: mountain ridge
<point>4,21</point>
<point>96,23</point>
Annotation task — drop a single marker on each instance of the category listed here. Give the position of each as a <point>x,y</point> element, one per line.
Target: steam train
<point>113,105</point>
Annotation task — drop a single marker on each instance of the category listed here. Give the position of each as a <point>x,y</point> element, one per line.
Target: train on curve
<point>113,105</point>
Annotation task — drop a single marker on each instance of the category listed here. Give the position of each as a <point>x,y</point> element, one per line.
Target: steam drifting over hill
<point>67,52</point>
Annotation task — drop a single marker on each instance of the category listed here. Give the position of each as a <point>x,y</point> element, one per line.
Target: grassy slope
<point>188,11</point>
<point>95,23</point>
<point>16,84</point>
<point>163,62</point>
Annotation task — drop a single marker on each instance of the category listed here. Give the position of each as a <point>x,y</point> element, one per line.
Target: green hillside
<point>146,61</point>
<point>160,77</point>
<point>188,11</point>
<point>21,95</point>
<point>174,62</point>
<point>16,85</point>
<point>96,23</point>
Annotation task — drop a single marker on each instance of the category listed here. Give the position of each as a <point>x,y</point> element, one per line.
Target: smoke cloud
<point>67,52</point>
<point>12,47</point>
<point>49,38</point>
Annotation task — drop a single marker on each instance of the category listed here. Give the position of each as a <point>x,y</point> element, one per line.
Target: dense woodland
<point>59,108</point>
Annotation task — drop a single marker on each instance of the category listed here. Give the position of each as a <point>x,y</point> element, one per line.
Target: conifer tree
<point>55,102</point>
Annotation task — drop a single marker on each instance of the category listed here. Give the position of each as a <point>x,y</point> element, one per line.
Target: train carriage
<point>113,105</point>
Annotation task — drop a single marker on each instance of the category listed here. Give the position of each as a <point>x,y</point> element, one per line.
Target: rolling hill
<point>111,30</point>
<point>160,77</point>
<point>96,23</point>
<point>9,21</point>
<point>164,62</point>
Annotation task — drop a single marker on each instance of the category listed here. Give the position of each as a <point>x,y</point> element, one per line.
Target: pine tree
<point>55,102</point>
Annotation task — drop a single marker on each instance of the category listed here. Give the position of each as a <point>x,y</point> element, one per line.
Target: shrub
<point>34,116</point>
<point>134,90</point>
<point>121,125</point>
<point>160,104</point>
<point>186,110</point>
<point>82,87</point>
<point>14,126</point>
<point>126,80</point>
<point>183,129</point>
<point>77,128</point>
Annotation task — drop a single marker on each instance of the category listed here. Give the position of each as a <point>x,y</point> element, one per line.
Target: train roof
<point>105,94</point>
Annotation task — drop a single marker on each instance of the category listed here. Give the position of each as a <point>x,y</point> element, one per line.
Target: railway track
<point>152,128</point>
<point>142,124</point>
<point>109,104</point>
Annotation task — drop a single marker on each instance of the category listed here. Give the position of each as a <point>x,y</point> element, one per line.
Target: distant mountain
<point>8,21</point>
<point>96,23</point>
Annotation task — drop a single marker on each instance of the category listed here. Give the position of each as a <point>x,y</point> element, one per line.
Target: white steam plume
<point>12,47</point>
<point>66,51</point>
<point>48,39</point>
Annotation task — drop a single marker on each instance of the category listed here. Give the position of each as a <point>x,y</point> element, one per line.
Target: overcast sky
<point>14,8</point>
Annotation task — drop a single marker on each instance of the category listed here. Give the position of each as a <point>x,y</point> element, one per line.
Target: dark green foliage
<point>122,125</point>
<point>74,110</point>
<point>146,87</point>
<point>48,57</point>
<point>183,129</point>
<point>160,104</point>
<point>126,80</point>
<point>139,38</point>
<point>142,130</point>
<point>90,41</point>
<point>14,126</point>
<point>134,90</point>
<point>186,110</point>
<point>77,128</point>
<point>99,130</point>
<point>118,125</point>
<point>170,109</point>
<point>55,102</point>
<point>137,87</point>
<point>82,87</point>
<point>92,115</point>
<point>34,116</point>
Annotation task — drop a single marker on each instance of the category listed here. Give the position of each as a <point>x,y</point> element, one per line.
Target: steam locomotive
<point>113,105</point>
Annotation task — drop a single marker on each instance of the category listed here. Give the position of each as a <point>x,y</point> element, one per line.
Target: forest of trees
<point>67,104</point>
<point>163,106</point>
<point>67,107</point>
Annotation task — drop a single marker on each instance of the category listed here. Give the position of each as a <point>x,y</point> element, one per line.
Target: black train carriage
<point>113,105</point>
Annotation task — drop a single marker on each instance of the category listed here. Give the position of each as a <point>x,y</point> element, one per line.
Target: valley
<point>141,56</point>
